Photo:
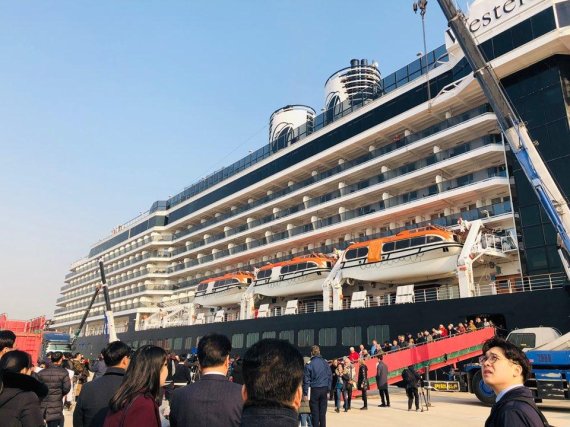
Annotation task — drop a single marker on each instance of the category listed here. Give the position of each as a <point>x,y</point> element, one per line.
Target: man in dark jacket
<point>382,381</point>
<point>57,380</point>
<point>181,375</point>
<point>213,401</point>
<point>317,377</point>
<point>93,401</point>
<point>411,378</point>
<point>505,368</point>
<point>273,374</point>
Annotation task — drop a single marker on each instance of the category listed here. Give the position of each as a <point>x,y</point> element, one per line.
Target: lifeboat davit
<point>420,254</point>
<point>298,276</point>
<point>223,290</point>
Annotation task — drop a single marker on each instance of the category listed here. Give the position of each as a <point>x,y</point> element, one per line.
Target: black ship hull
<point>335,331</point>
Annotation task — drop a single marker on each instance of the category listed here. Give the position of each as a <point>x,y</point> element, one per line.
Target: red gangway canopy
<point>435,355</point>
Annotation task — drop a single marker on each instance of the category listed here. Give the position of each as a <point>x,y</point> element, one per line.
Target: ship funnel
<point>352,86</point>
<point>288,124</point>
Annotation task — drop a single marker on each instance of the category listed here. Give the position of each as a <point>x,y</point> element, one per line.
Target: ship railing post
<point>550,280</point>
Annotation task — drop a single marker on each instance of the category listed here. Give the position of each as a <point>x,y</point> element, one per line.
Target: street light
<point>421,5</point>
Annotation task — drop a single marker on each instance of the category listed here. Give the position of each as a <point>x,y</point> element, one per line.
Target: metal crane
<point>515,131</point>
<point>109,318</point>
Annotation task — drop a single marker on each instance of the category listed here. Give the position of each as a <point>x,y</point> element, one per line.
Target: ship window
<point>418,241</point>
<point>311,265</point>
<point>351,335</point>
<point>403,244</point>
<point>306,337</point>
<point>387,247</point>
<point>263,274</point>
<point>356,253</point>
<point>285,269</point>
<point>379,333</point>
<point>177,344</point>
<point>188,343</point>
<point>434,239</point>
<point>202,287</point>
<point>252,338</point>
<point>287,335</point>
<point>237,341</point>
<point>268,334</point>
<point>327,337</point>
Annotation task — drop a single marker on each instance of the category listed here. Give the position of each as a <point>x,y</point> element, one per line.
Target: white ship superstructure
<point>380,159</point>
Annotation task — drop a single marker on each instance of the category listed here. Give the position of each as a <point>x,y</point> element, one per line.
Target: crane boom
<point>514,129</point>
<point>109,318</point>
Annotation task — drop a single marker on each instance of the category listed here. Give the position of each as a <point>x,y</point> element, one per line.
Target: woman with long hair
<point>135,402</point>
<point>20,393</point>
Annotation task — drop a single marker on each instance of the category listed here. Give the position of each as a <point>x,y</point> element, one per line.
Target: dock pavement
<point>446,410</point>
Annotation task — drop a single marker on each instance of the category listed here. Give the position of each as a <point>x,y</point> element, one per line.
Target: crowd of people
<point>272,385</point>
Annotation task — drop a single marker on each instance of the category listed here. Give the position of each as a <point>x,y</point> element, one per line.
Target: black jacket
<point>20,401</point>
<point>411,378</point>
<point>253,416</point>
<point>509,412</point>
<point>362,383</point>
<point>57,380</point>
<point>214,401</point>
<point>93,402</point>
<point>181,374</point>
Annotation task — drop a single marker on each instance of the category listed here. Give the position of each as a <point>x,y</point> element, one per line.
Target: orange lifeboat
<point>302,275</point>
<point>424,253</point>
<point>223,290</point>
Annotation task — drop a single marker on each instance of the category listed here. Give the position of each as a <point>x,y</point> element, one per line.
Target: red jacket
<point>143,411</point>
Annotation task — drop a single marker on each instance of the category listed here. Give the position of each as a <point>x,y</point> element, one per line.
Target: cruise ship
<point>397,208</point>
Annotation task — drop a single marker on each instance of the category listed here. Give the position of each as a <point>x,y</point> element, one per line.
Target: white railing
<point>543,282</point>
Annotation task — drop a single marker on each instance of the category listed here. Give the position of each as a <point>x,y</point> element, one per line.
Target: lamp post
<point>421,5</point>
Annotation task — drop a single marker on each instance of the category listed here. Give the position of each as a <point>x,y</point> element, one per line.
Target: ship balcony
<point>118,296</point>
<point>465,126</point>
<point>456,160</point>
<point>124,251</point>
<point>367,213</point>
<point>146,306</point>
<point>433,161</point>
<point>118,291</point>
<point>122,273</point>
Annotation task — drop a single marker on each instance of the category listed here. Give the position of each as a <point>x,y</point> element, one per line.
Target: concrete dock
<point>446,410</point>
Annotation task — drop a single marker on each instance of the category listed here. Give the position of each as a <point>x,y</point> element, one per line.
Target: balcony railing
<point>381,151</point>
<point>394,201</point>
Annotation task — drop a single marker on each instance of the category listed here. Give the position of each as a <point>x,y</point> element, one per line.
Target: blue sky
<point>107,106</point>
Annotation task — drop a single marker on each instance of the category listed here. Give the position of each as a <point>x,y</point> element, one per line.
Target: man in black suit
<point>213,401</point>
<point>272,390</point>
<point>93,402</point>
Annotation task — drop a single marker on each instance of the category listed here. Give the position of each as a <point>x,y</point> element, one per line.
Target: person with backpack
<point>505,368</point>
<point>411,379</point>
<point>80,371</point>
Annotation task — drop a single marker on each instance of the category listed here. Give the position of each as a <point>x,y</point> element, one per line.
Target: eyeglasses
<point>492,358</point>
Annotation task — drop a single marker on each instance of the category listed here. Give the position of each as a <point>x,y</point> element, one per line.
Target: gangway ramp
<point>433,355</point>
